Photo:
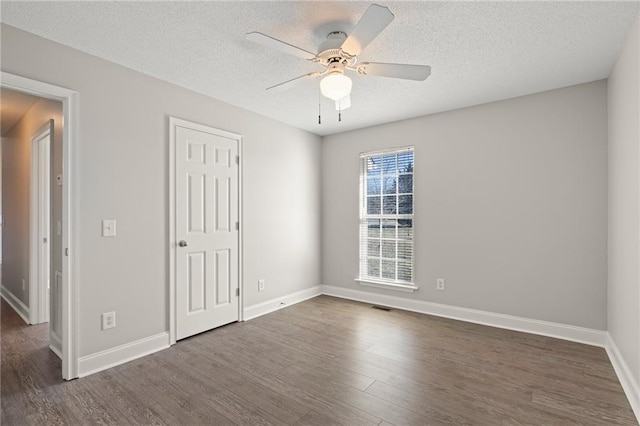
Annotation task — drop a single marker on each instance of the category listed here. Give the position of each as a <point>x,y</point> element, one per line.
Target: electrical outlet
<point>260,285</point>
<point>440,284</point>
<point>108,320</point>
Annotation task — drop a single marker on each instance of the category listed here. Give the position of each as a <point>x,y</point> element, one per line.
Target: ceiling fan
<point>339,53</point>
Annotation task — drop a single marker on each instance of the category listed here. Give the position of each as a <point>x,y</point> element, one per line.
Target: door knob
<point>182,243</point>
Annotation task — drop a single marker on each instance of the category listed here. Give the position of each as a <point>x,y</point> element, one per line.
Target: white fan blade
<point>274,43</point>
<point>292,83</point>
<point>374,20</point>
<point>344,103</point>
<point>406,71</point>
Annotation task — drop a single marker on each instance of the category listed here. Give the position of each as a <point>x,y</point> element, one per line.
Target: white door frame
<point>70,307</point>
<point>39,258</point>
<point>173,243</point>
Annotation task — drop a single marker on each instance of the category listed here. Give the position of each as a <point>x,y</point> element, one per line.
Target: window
<point>386,217</point>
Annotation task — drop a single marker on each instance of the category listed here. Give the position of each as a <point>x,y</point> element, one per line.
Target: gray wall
<point>123,156</point>
<point>16,171</point>
<point>510,205</point>
<point>624,201</point>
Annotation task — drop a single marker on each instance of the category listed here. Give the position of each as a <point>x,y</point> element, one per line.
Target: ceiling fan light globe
<point>335,86</point>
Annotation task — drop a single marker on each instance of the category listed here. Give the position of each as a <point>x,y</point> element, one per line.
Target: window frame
<point>364,217</point>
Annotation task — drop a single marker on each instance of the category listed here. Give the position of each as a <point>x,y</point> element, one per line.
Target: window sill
<point>407,288</point>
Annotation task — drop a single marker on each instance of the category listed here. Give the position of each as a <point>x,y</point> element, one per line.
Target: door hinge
<point>237,226</point>
<point>238,292</point>
<point>237,159</point>
<point>66,251</point>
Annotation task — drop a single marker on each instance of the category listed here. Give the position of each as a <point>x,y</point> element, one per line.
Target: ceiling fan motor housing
<point>330,52</point>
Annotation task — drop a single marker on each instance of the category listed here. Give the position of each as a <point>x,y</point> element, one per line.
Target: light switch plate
<point>109,228</point>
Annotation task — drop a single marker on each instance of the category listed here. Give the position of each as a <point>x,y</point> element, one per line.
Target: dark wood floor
<point>322,362</point>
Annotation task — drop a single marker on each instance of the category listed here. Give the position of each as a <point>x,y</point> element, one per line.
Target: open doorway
<point>62,180</point>
<point>32,136</point>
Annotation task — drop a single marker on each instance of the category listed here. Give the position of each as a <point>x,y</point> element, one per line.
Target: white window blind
<point>386,216</point>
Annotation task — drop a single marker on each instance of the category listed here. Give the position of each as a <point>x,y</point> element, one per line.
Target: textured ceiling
<point>479,51</point>
<point>13,105</point>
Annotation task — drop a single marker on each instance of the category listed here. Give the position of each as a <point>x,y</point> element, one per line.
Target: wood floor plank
<point>285,409</point>
<point>314,418</point>
<point>160,392</point>
<point>87,407</point>
<point>273,377</point>
<point>593,409</point>
<point>108,387</point>
<point>325,361</point>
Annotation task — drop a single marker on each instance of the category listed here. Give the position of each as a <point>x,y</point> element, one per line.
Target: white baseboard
<point>263,308</point>
<point>509,322</point>
<point>55,351</point>
<point>55,344</point>
<point>15,303</point>
<point>628,382</point>
<point>120,354</point>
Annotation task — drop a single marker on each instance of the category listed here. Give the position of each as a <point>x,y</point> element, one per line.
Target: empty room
<point>320,213</point>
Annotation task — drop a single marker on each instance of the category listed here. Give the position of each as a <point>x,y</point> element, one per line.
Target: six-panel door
<point>206,231</point>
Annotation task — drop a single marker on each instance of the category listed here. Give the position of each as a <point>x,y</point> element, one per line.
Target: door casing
<point>173,243</point>
<point>70,209</point>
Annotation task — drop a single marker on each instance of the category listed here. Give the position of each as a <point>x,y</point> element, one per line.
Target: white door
<point>206,228</point>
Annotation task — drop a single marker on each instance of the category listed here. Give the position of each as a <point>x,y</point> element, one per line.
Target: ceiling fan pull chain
<point>319,108</point>
<point>339,111</point>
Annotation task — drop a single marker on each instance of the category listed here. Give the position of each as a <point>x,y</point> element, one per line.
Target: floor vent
<point>382,308</point>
